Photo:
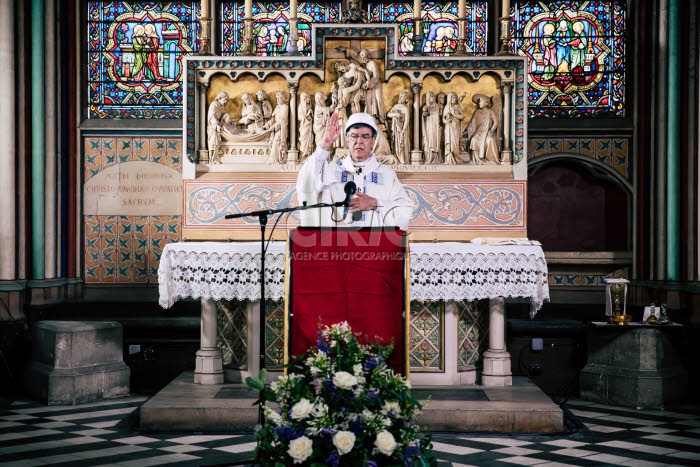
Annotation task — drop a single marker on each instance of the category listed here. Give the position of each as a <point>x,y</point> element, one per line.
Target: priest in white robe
<point>380,199</point>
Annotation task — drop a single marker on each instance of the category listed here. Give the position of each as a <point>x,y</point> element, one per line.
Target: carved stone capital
<point>416,88</point>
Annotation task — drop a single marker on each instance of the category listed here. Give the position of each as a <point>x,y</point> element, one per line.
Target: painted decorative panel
<point>134,57</point>
<point>274,334</point>
<point>232,336</point>
<point>472,333</point>
<point>426,339</point>
<point>126,248</point>
<point>576,52</point>
<point>271,26</point>
<point>613,152</point>
<point>579,279</point>
<point>439,26</point>
<point>445,204</point>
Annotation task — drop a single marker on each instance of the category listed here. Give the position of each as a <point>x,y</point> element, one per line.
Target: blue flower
<point>411,450</point>
<point>333,459</point>
<point>322,345</point>
<point>286,433</point>
<point>357,427</point>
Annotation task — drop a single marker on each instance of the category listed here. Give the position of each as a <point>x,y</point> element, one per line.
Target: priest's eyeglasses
<point>363,137</point>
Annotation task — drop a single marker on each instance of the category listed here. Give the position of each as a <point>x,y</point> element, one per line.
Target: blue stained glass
<point>134,52</point>
<point>271,26</point>
<point>576,53</point>
<point>439,26</point>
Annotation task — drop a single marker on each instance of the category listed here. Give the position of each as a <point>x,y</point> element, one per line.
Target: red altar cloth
<point>348,275</point>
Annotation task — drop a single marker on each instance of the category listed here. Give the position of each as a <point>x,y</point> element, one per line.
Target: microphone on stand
<point>350,189</point>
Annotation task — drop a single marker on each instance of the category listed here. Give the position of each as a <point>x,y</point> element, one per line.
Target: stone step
<point>521,408</point>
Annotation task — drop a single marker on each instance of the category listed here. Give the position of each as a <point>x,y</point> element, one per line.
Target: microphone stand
<point>262,216</point>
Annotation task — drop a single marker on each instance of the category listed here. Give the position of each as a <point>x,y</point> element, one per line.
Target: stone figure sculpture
<point>305,117</point>
<point>452,117</point>
<point>374,96</point>
<point>483,132</point>
<point>215,119</point>
<point>432,130</point>
<point>372,87</point>
<point>251,114</point>
<point>265,105</point>
<point>400,116</point>
<point>321,114</point>
<point>279,124</point>
<point>354,76</point>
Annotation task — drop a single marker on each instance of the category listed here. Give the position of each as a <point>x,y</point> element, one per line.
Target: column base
<point>496,369</point>
<point>209,367</point>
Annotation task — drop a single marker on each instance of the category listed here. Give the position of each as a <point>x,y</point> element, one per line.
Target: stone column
<point>496,358</point>
<point>203,152</point>
<point>8,188</point>
<point>507,152</point>
<point>417,152</point>
<point>247,46</point>
<point>461,28</point>
<point>209,367</point>
<point>293,152</point>
<point>38,139</point>
<point>205,25</point>
<point>50,148</point>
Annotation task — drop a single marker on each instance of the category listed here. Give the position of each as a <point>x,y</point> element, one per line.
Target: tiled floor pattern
<point>104,433</point>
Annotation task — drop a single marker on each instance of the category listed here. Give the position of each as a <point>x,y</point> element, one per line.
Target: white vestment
<point>321,181</point>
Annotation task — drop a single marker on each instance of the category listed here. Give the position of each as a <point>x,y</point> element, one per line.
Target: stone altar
<point>634,365</point>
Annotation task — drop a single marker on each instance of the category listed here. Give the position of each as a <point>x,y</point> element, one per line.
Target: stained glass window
<point>576,53</point>
<point>135,52</point>
<point>271,26</point>
<point>439,26</point>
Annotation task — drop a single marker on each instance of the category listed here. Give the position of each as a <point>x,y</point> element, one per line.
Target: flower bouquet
<point>340,405</point>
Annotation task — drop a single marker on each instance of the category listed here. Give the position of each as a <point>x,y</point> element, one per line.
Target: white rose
<point>344,441</point>
<point>385,442</point>
<point>301,409</point>
<point>300,449</point>
<point>344,380</point>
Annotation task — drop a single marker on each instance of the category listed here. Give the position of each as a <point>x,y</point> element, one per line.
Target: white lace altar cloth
<point>439,271</point>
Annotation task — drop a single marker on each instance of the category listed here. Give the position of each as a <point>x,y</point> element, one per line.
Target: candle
<point>462,9</point>
<point>506,8</point>
<point>416,9</point>
<point>205,9</point>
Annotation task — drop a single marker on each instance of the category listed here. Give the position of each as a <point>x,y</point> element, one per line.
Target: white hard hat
<point>363,118</point>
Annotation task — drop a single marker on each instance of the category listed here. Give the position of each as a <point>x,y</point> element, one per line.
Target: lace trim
<point>439,271</point>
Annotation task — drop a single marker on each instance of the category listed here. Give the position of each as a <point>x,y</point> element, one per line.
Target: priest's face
<point>360,143</point>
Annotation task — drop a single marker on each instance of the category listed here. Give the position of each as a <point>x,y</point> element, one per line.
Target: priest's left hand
<point>362,202</point>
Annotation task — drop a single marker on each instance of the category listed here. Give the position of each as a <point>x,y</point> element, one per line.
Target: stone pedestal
<point>633,366</point>
<point>75,362</point>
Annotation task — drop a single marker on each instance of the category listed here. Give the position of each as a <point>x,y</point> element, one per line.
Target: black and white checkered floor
<point>104,433</point>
